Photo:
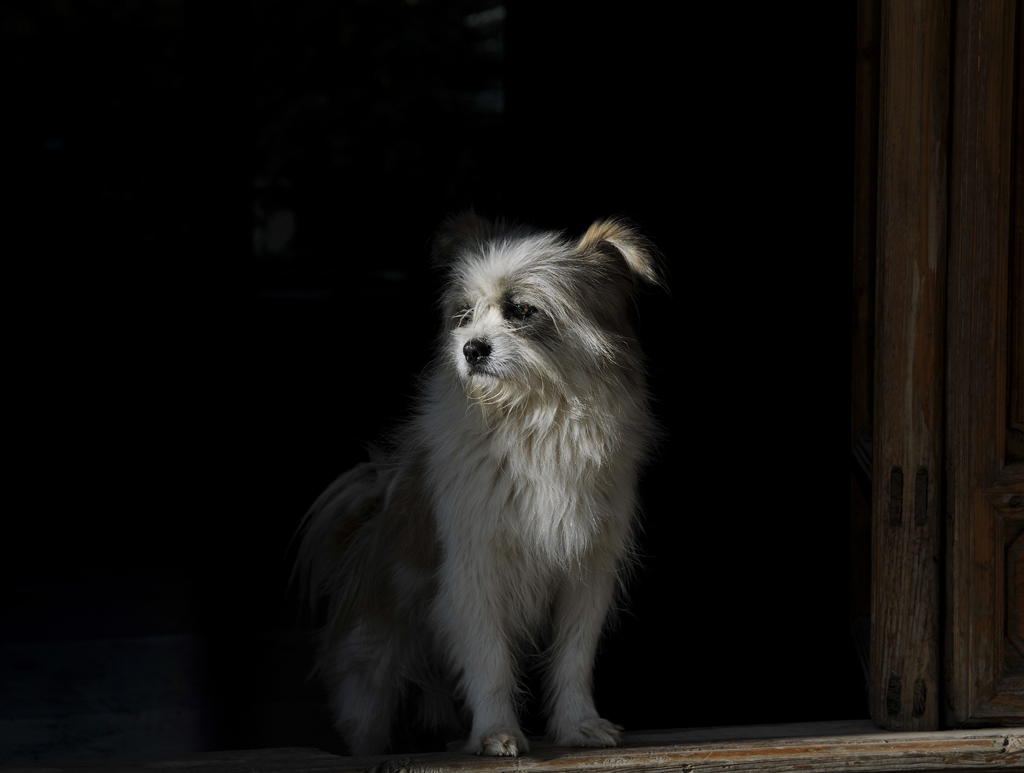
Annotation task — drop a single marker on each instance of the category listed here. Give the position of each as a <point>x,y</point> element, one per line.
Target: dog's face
<point>527,312</point>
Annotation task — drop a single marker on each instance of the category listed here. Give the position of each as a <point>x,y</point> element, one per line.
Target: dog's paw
<point>499,742</point>
<point>592,731</point>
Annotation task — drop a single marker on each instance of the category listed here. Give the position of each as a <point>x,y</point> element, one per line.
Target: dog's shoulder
<point>408,523</point>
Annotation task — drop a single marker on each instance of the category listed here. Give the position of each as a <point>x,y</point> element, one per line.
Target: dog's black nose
<point>475,350</point>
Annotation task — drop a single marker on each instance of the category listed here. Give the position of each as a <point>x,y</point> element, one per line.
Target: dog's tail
<point>325,567</point>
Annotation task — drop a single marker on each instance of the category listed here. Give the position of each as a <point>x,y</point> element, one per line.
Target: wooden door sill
<point>816,746</point>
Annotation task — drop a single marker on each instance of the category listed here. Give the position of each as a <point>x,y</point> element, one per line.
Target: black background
<point>175,401</point>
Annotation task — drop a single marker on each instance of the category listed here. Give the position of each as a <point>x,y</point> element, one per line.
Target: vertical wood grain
<point>1015,418</point>
<point>979,244</point>
<point>909,367</point>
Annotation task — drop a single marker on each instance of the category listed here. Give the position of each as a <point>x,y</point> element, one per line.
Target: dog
<point>499,519</point>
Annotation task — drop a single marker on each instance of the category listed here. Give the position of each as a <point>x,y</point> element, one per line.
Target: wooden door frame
<point>910,302</point>
<point>941,490</point>
<point>979,485</point>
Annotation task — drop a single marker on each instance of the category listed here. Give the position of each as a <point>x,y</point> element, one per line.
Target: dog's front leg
<point>580,610</point>
<point>471,612</point>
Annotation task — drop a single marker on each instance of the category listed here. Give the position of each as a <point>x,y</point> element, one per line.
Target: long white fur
<point>501,515</point>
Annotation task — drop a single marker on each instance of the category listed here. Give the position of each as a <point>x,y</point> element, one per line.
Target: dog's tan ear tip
<point>642,257</point>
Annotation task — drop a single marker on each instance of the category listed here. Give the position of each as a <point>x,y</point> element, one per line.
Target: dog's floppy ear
<point>616,238</point>
<point>465,229</point>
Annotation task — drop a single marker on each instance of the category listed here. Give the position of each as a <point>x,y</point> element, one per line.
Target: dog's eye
<point>521,310</point>
<point>464,317</point>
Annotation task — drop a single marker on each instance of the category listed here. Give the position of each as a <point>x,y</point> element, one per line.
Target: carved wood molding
<point>1006,495</point>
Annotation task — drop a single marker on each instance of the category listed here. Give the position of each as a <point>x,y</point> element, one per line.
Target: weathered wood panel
<point>984,676</point>
<point>908,362</point>
<point>1015,423</point>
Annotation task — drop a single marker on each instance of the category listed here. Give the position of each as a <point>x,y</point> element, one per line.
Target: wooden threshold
<point>816,746</point>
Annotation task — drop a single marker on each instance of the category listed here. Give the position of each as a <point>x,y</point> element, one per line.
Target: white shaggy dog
<point>500,517</point>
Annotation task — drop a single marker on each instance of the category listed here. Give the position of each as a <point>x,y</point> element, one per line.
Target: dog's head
<point>528,311</point>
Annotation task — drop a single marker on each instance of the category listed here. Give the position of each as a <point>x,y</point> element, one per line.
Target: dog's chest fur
<point>553,485</point>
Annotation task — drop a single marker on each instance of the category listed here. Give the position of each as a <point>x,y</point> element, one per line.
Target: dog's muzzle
<point>476,350</point>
